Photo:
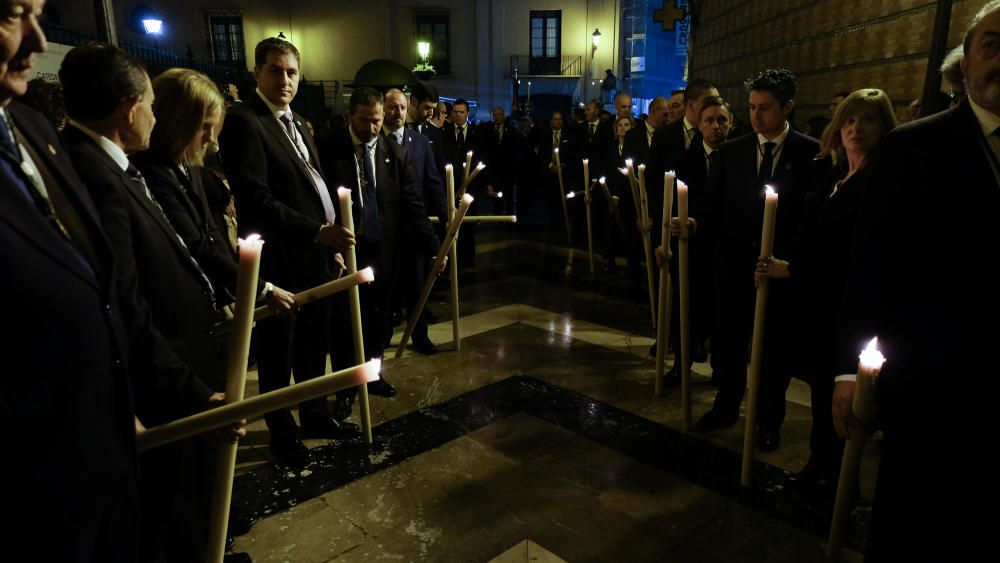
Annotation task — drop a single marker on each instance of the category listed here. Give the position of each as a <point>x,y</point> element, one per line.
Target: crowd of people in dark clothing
<point>119,217</point>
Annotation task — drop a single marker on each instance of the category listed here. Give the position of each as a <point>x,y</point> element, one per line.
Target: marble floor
<point>539,440</point>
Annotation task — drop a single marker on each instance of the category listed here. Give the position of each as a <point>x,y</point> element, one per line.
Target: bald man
<point>623,105</point>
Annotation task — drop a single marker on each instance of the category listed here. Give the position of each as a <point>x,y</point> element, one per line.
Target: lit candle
<point>685,303</point>
<point>666,293</point>
<point>647,244</point>
<point>862,406</point>
<point>562,192</point>
<point>757,342</point>
<point>590,227</point>
<point>456,332</point>
<point>236,375</point>
<point>468,160</point>
<point>320,291</point>
<point>529,90</point>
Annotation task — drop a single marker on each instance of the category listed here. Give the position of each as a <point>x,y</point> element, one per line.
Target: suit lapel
<point>280,136</point>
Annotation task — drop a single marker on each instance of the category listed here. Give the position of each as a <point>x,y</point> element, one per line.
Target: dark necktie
<point>593,129</point>
<point>461,138</point>
<point>766,164</point>
<point>136,177</point>
<point>372,232</point>
<point>12,168</point>
<point>708,160</point>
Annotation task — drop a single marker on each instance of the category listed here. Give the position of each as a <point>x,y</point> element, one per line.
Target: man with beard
<point>937,416</point>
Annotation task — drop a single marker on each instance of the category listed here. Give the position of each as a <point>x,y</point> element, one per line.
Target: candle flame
<point>468,153</point>
<point>372,369</point>
<point>480,166</point>
<point>555,151</point>
<point>628,162</point>
<point>343,193</point>
<point>681,185</point>
<point>570,195</point>
<point>586,161</point>
<point>449,166</point>
<point>624,171</point>
<point>642,167</point>
<point>367,275</point>
<point>252,238</point>
<point>499,194</point>
<point>769,189</point>
<point>871,357</point>
<point>467,198</point>
<point>602,180</point>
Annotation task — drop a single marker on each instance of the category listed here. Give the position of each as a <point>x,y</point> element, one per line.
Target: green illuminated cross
<point>668,17</point>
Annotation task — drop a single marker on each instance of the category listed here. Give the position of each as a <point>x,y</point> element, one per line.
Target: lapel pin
<point>52,150</point>
<point>387,160</point>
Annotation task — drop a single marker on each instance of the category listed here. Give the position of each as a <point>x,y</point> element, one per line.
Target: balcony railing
<point>569,66</point>
<point>156,58</point>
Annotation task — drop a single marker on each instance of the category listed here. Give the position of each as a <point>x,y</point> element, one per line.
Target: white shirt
<point>649,134</point>
<point>779,143</point>
<point>107,145</point>
<point>688,133</point>
<point>398,134</point>
<point>708,152</point>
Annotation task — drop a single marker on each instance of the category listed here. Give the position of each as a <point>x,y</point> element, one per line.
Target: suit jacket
<point>939,162</point>
<point>455,155</point>
<point>275,196</point>
<point>597,147</point>
<point>500,153</point>
<point>185,203</point>
<point>636,144</point>
<point>569,146</point>
<point>739,202</point>
<point>691,167</point>
<point>402,216</point>
<point>69,375</point>
<point>435,138</point>
<point>151,257</point>
<point>426,176</point>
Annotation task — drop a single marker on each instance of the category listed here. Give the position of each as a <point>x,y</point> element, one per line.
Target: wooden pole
<point>666,294</point>
<point>236,375</point>
<point>562,194</point>
<point>483,219</point>
<point>590,226</point>
<point>456,332</point>
<point>319,292</point>
<point>685,305</point>
<point>757,344</point>
<point>647,245</point>
<point>354,304</point>
<point>449,240</point>
<point>256,407</point>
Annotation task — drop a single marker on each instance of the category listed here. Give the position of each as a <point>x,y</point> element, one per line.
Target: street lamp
<point>424,49</point>
<point>152,26</point>
<point>596,37</point>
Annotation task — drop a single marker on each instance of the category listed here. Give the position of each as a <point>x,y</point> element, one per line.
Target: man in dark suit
<point>675,137</point>
<point>79,374</point>
<point>459,139</point>
<point>424,100</point>
<point>281,193</point>
<point>500,144</point>
<point>427,183</point>
<point>936,395</point>
<point>639,138</point>
<point>692,167</point>
<point>387,211</point>
<point>557,135</point>
<point>777,156</point>
<point>596,140</point>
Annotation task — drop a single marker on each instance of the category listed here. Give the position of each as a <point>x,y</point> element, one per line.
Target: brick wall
<point>831,46</point>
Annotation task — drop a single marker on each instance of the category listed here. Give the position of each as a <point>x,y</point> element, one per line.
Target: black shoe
<point>672,378</point>
<point>714,420</point>
<point>699,354</point>
<point>289,451</point>
<point>424,345</point>
<point>716,378</point>
<point>430,317</point>
<point>240,523</point>
<point>814,479</point>
<point>329,429</point>
<point>652,350</point>
<point>342,407</point>
<point>382,388</point>
<point>767,439</point>
<point>237,558</point>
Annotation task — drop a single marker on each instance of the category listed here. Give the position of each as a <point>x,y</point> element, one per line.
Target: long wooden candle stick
<point>612,204</point>
<point>256,407</point>
<point>354,304</point>
<point>456,332</point>
<point>449,240</point>
<point>666,293</point>
<point>862,406</point>
<point>685,304</point>
<point>483,219</point>
<point>236,375</point>
<point>646,243</point>
<point>467,181</point>
<point>320,291</point>
<point>562,193</point>
<point>757,344</point>
<point>586,200</point>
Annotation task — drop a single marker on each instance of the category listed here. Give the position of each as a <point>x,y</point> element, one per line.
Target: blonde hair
<point>183,98</point>
<point>831,144</point>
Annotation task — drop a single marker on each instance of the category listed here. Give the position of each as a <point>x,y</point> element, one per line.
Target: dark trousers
<point>700,290</point>
<point>732,347</point>
<point>293,345</point>
<point>375,316</point>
